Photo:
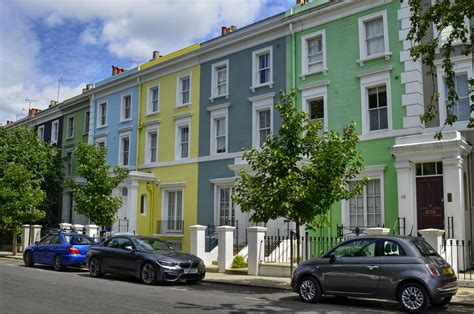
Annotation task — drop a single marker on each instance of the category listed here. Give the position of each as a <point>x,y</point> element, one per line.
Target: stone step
<point>236,271</point>
<point>212,269</point>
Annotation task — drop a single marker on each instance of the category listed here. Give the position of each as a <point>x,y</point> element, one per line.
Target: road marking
<point>179,289</point>
<point>256,299</point>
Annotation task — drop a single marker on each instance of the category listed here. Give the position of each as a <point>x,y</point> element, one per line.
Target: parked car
<point>406,269</point>
<point>150,259</point>
<point>58,249</point>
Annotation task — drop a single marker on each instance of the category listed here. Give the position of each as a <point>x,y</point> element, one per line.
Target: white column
<point>454,196</point>
<point>225,235</point>
<point>406,195</point>
<point>434,237</point>
<point>36,233</point>
<point>377,231</point>
<point>25,239</point>
<point>255,238</point>
<point>198,240</point>
<point>92,231</point>
<point>65,226</point>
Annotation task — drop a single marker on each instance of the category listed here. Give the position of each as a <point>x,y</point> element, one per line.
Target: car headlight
<point>168,265</point>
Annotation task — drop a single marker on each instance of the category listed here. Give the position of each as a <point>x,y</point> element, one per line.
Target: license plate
<point>191,271</point>
<point>448,271</point>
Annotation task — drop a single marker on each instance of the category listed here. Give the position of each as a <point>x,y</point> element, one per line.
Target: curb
<point>243,284</point>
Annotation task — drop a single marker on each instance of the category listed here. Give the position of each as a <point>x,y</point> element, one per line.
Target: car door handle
<point>372,267</point>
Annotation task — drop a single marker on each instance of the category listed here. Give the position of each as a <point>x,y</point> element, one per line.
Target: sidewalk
<point>465,296</point>
<point>19,255</point>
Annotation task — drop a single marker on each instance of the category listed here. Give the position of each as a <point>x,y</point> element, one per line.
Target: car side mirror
<point>332,257</point>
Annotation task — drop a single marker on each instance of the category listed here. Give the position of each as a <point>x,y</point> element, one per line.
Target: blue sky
<point>79,40</point>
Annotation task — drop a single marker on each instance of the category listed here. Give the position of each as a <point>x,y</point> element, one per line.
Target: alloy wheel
<point>148,273</point>
<point>94,267</point>
<point>413,298</point>
<point>58,263</point>
<point>308,290</point>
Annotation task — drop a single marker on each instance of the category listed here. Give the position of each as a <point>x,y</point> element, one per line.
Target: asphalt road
<point>42,290</point>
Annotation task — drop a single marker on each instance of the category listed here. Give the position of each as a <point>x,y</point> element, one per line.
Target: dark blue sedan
<point>58,249</point>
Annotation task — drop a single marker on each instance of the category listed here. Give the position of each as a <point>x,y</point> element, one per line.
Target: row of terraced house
<point>180,122</point>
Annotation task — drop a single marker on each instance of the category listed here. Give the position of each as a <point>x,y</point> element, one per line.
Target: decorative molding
<point>182,115</point>
<point>374,71</point>
<point>262,97</point>
<point>314,85</point>
<point>217,107</point>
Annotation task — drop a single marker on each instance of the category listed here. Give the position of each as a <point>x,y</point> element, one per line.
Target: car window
<point>119,243</point>
<point>78,239</point>
<point>46,239</point>
<point>152,244</point>
<point>391,248</point>
<point>55,240</point>
<point>357,248</point>
<point>423,247</point>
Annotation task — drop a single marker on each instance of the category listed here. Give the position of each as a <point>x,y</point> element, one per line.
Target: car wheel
<point>442,302</point>
<point>149,274</point>
<point>58,263</point>
<point>309,290</point>
<point>413,297</point>
<point>94,268</point>
<point>28,259</point>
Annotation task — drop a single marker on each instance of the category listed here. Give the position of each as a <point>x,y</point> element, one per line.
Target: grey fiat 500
<point>406,269</point>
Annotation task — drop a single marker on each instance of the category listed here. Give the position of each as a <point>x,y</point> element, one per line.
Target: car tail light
<point>73,250</point>
<point>432,269</point>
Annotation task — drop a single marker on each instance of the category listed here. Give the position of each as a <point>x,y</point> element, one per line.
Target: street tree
<point>25,162</point>
<point>299,172</point>
<point>95,198</point>
<point>448,18</point>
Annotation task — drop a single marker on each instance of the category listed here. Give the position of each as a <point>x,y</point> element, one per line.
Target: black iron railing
<point>458,253</point>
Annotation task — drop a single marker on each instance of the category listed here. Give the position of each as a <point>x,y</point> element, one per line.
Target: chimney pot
<point>156,55</point>
<point>301,2</point>
<point>9,122</point>
<point>114,70</point>
<point>33,111</point>
<point>224,30</point>
<point>233,28</point>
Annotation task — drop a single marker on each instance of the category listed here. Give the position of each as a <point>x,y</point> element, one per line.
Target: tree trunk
<point>298,242</point>
<point>14,242</point>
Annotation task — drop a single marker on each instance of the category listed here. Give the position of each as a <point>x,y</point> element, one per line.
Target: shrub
<point>238,262</point>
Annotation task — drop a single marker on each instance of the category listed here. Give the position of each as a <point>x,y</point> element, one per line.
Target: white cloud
<point>128,29</point>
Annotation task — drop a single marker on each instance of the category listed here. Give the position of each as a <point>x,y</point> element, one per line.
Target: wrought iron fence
<point>458,253</point>
<point>169,226</point>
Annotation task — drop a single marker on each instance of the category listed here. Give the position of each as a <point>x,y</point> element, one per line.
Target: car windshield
<point>78,239</point>
<point>423,247</point>
<point>151,244</point>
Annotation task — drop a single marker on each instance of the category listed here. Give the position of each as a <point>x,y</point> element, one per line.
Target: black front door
<point>430,205</point>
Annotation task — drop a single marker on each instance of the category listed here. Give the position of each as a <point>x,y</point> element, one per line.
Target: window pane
<point>373,98</point>
<point>359,248</point>
<point>374,120</point>
<point>316,109</point>
<point>392,249</point>
<point>383,119</point>
<point>429,168</point>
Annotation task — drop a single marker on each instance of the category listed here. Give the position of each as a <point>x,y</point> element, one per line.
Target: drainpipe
<point>293,52</point>
<point>138,123</point>
<point>149,187</point>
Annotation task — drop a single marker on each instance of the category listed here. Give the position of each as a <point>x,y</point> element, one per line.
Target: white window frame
<point>255,55</point>
<point>181,123</point>
<point>456,42</point>
<point>69,173</point>
<point>369,81</point>
<point>222,113</point>
<point>86,122</point>
<point>223,184</point>
<point>314,93</point>
<point>120,159</point>
<point>362,38</point>
<point>461,66</point>
<point>40,132</point>
<point>373,172</point>
<point>214,90</point>
<point>260,103</point>
<point>304,53</point>
<point>101,139</point>
<point>164,212</point>
<point>70,136</point>
<point>149,107</point>
<point>122,108</point>
<point>55,137</point>
<point>149,130</point>
<point>99,116</point>
<point>179,79</point>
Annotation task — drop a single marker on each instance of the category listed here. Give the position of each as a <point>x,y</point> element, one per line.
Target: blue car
<point>58,249</point>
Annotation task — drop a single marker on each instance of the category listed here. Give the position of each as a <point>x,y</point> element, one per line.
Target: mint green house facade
<point>344,61</point>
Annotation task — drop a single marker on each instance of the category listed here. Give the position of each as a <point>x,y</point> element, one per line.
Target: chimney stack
<point>52,103</point>
<point>301,2</point>
<point>9,122</point>
<point>227,30</point>
<point>156,55</point>
<point>33,111</point>
<point>88,87</point>
<point>117,70</point>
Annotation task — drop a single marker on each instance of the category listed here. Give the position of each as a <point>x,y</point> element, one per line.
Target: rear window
<point>423,247</point>
<point>78,240</point>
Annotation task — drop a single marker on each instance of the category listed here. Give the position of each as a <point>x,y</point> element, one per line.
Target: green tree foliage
<point>25,162</point>
<point>299,172</point>
<point>443,14</point>
<point>95,199</point>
